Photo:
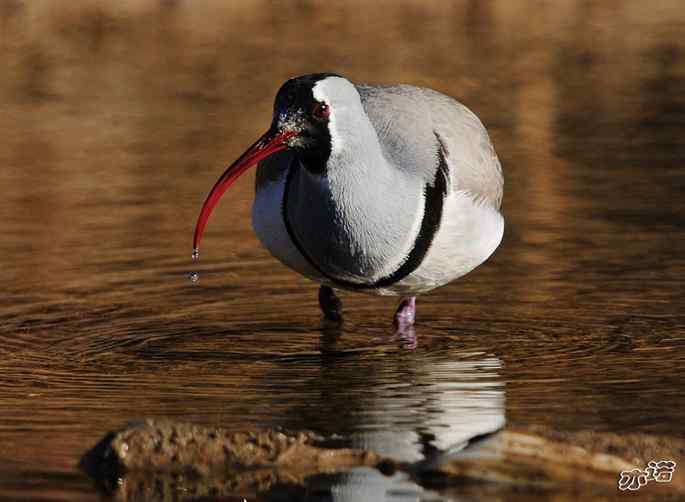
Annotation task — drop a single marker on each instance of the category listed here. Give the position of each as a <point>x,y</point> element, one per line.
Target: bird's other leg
<point>404,323</point>
<point>330,304</point>
<point>406,313</point>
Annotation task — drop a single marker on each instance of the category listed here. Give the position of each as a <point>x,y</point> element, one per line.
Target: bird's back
<point>414,123</point>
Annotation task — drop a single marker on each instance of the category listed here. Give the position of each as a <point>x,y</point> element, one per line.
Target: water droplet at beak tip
<point>194,276</point>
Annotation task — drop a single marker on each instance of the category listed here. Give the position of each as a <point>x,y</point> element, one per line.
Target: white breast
<point>469,233</point>
<point>268,224</point>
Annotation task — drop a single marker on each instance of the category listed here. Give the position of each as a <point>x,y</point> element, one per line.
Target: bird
<point>384,189</point>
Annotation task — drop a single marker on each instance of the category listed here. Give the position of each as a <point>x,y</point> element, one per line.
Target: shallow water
<point>116,122</point>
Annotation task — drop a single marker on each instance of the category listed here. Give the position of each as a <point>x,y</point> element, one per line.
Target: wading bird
<point>391,190</point>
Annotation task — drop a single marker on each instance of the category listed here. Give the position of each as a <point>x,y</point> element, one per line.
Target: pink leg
<point>406,313</point>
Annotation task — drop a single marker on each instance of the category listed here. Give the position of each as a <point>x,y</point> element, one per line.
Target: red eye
<point>321,111</point>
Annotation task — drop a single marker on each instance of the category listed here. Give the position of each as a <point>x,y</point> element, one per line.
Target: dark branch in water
<point>159,458</point>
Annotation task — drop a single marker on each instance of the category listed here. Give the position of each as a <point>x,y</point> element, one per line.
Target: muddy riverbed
<point>117,120</point>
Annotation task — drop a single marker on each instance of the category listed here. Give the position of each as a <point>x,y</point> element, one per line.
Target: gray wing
<point>414,124</point>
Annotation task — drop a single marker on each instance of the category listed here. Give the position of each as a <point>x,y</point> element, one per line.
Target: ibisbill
<point>390,190</point>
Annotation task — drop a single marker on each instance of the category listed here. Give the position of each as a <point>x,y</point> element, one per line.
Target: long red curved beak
<point>271,142</point>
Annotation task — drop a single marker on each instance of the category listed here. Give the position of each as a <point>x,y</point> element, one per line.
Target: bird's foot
<point>406,337</point>
<point>330,304</point>
<point>405,315</point>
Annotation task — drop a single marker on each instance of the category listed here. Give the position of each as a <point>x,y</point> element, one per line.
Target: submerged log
<point>525,459</point>
<point>158,458</point>
<point>161,445</point>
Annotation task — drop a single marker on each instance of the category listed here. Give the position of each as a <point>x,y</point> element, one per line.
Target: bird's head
<point>304,121</point>
<point>301,109</point>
